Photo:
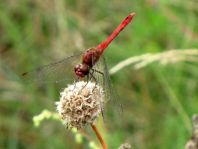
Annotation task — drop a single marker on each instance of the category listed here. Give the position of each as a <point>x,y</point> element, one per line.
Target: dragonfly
<point>88,60</point>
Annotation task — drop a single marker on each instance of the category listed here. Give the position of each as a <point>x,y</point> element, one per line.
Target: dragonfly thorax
<point>90,57</point>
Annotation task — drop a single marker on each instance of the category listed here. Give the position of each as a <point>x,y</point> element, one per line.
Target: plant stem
<point>101,47</point>
<point>104,145</point>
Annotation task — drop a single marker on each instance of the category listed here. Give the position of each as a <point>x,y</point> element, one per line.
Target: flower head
<point>80,103</point>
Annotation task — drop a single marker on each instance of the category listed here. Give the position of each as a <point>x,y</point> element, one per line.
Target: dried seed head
<point>80,103</point>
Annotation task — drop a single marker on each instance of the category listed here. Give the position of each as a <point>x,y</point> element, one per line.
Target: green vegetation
<point>158,100</point>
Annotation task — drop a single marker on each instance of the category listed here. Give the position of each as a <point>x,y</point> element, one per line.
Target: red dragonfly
<point>89,58</point>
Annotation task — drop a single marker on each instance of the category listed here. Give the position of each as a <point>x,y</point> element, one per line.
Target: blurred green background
<point>158,100</point>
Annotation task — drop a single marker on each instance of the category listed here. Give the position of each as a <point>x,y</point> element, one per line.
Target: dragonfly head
<point>81,70</point>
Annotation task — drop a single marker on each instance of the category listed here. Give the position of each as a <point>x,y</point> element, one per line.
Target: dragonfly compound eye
<point>81,70</point>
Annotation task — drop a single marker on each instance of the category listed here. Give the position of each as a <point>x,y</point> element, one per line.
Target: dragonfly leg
<point>96,82</point>
<point>87,81</point>
<point>76,80</point>
<point>93,77</point>
<point>101,73</point>
<point>98,71</point>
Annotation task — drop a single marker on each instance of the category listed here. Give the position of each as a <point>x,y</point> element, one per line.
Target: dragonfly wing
<point>104,79</point>
<point>61,70</point>
<point>110,95</point>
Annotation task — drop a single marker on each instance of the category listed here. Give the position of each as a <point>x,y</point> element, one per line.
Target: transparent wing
<point>111,96</point>
<point>62,70</point>
<point>102,76</point>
